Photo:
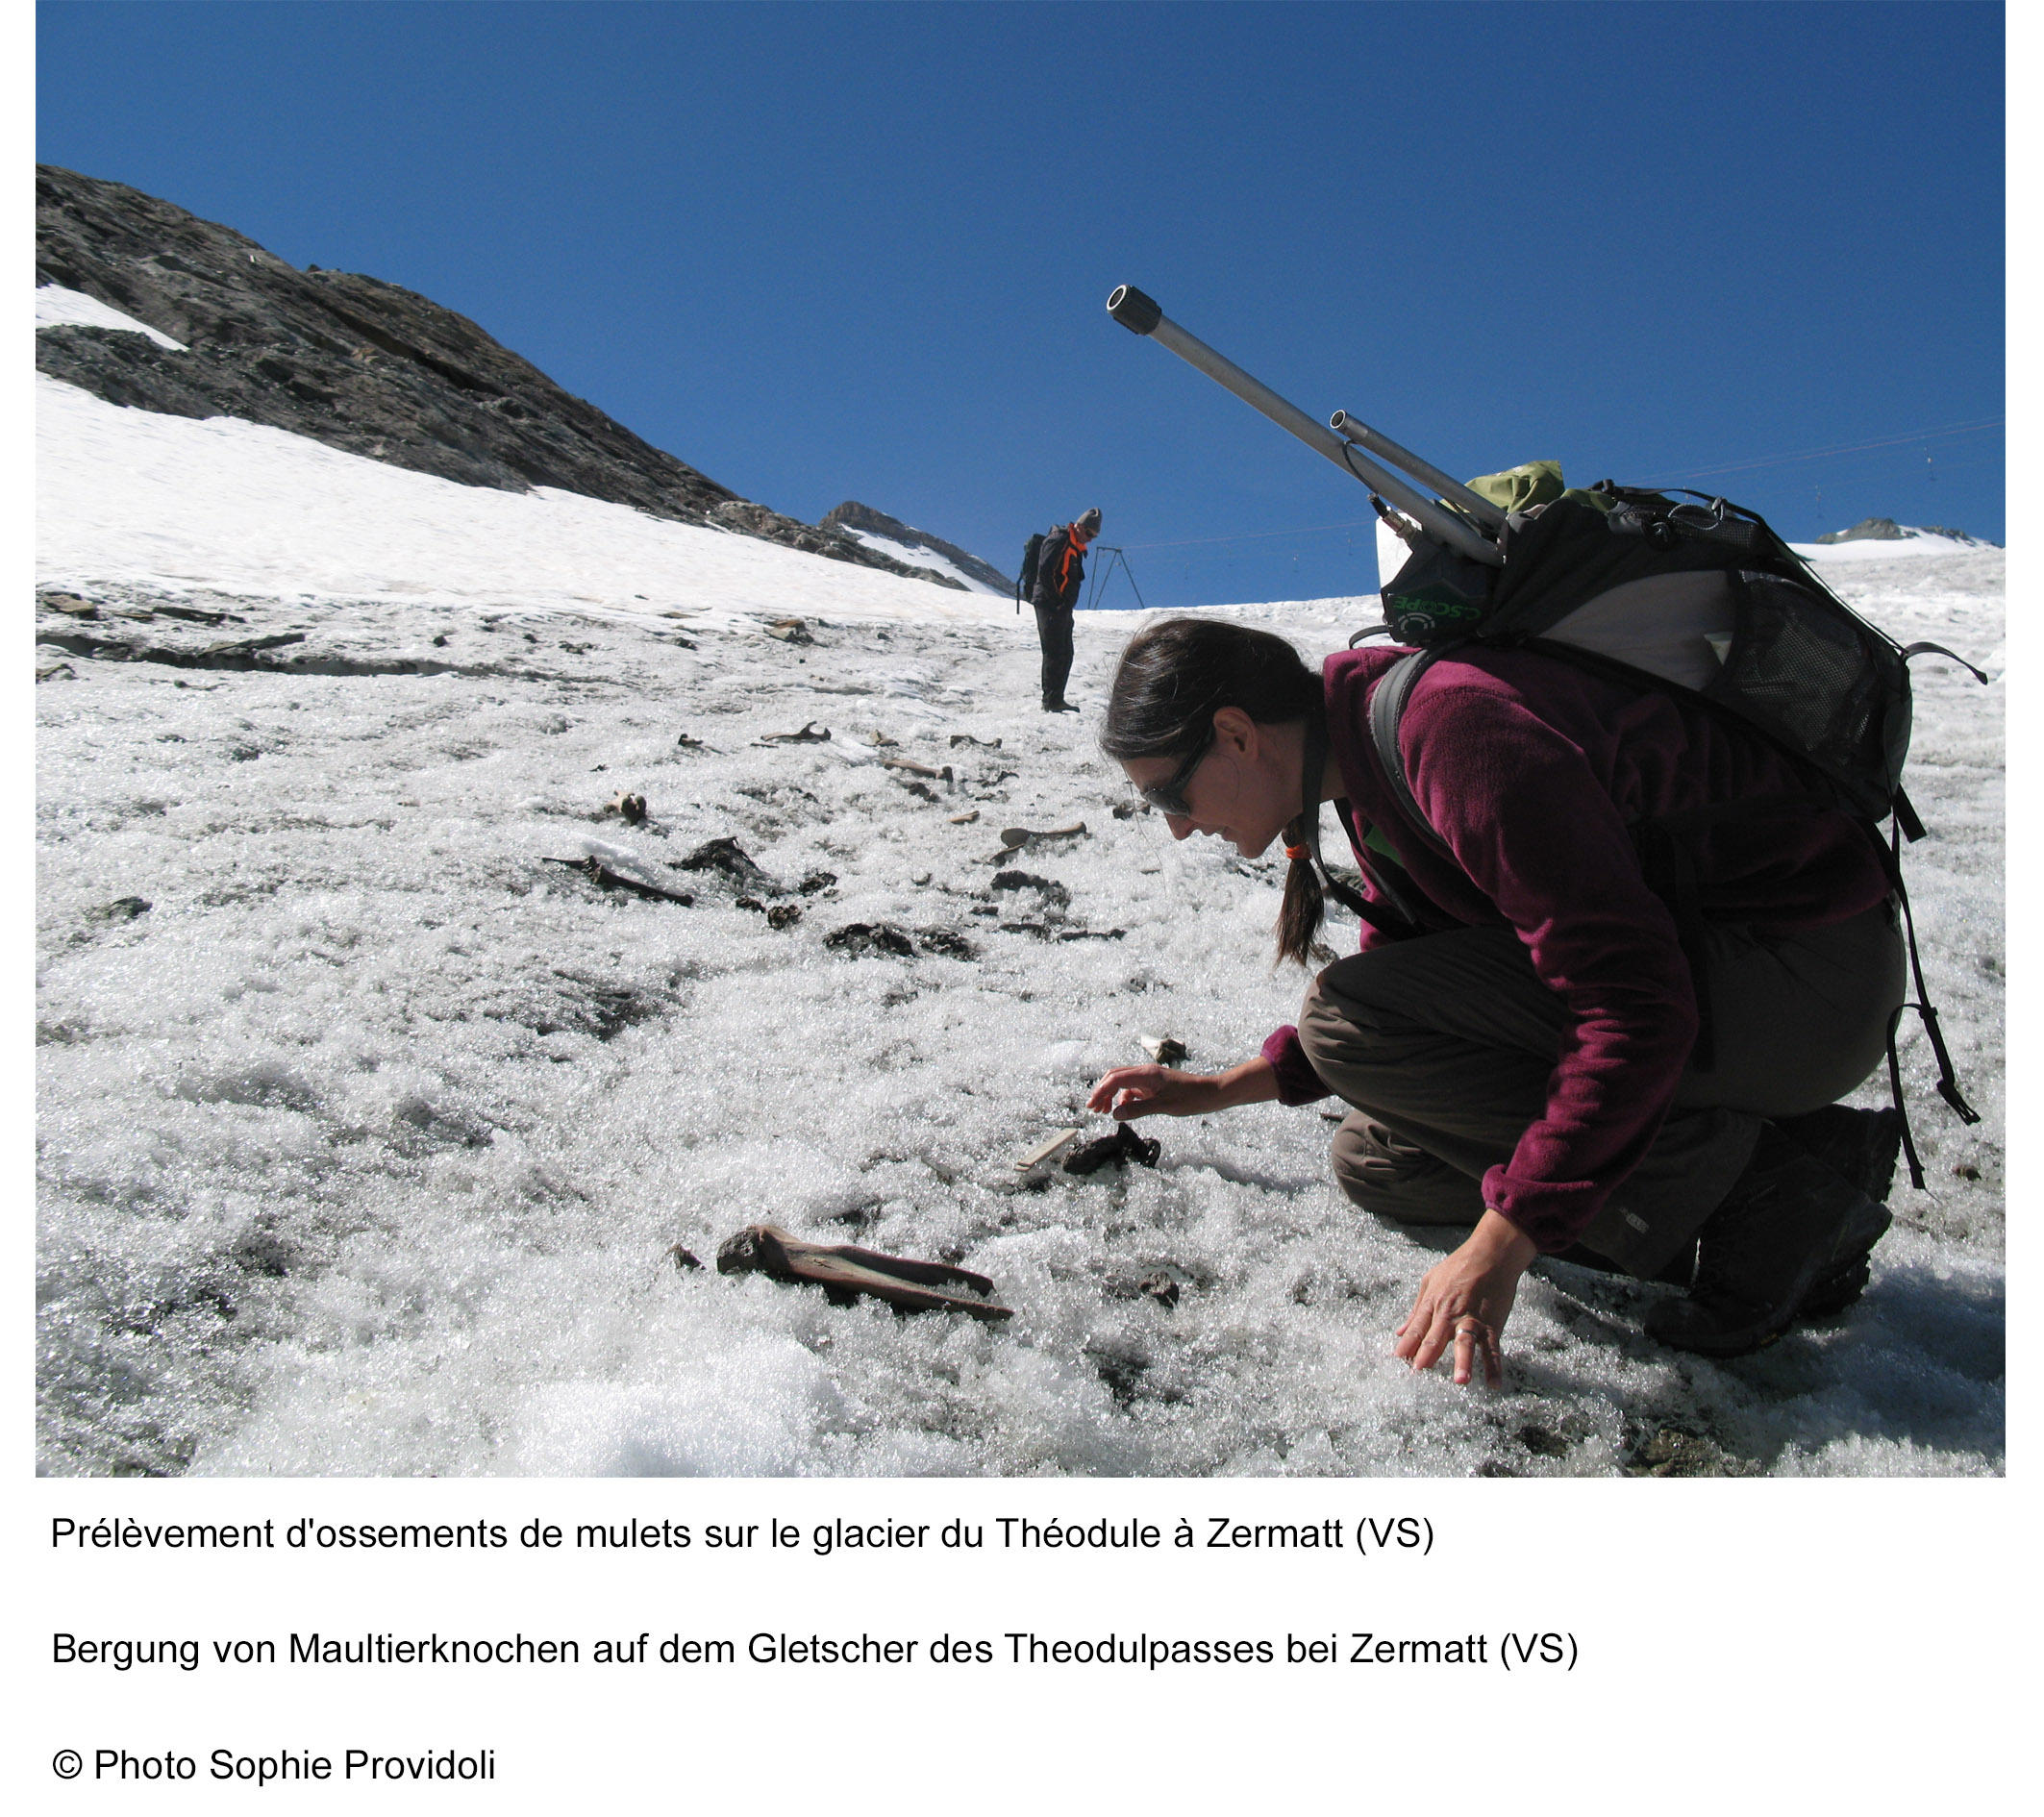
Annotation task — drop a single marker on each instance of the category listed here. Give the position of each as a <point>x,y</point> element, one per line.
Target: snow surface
<point>363,1147</point>
<point>59,308</point>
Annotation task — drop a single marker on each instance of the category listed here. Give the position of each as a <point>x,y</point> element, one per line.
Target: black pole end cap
<point>1138,313</point>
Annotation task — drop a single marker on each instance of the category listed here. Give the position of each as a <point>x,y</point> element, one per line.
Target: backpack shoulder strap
<point>1387,706</point>
<point>1391,914</point>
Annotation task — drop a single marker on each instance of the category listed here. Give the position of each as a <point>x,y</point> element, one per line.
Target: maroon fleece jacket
<point>1532,772</point>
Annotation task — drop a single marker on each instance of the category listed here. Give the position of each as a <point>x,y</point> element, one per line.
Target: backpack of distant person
<point>1697,597</point>
<point>1032,553</point>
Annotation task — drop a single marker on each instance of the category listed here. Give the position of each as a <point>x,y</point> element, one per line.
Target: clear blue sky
<point>830,252</point>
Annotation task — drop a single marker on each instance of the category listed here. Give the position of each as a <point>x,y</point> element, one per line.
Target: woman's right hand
<point>1142,1091</point>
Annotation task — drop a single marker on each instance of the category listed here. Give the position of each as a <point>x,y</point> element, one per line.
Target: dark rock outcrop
<point>347,361</point>
<point>1867,529</point>
<point>852,515</point>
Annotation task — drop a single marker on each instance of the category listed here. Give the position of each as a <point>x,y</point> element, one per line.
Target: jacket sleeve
<point>1297,1080</point>
<point>1537,831</point>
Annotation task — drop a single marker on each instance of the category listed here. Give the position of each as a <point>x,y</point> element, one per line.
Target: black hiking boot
<point>1844,1277</point>
<point>1862,1146</point>
<point>1780,1227</point>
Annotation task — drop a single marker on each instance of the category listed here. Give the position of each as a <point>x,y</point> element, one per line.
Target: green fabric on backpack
<point>1537,482</point>
<point>1518,488</point>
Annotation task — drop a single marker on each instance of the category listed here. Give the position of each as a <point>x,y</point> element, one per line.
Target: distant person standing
<point>1060,571</point>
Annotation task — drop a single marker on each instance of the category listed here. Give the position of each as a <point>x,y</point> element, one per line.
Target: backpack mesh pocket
<point>1823,683</point>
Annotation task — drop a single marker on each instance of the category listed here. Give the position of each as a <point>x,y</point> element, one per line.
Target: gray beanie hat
<point>1088,521</point>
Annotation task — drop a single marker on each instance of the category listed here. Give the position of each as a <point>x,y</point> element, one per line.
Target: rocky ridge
<point>349,361</point>
<point>852,515</point>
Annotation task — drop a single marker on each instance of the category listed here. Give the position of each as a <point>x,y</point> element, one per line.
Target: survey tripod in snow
<point>1103,572</point>
<point>1700,599</point>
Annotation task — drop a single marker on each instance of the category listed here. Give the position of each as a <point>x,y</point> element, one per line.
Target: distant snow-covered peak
<point>1881,538</point>
<point>917,556</point>
<point>1910,542</point>
<point>59,308</point>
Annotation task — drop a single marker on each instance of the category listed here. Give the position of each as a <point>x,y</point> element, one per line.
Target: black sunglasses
<point>1168,797</point>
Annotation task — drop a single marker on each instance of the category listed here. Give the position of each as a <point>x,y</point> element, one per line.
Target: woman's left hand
<point>1465,1300</point>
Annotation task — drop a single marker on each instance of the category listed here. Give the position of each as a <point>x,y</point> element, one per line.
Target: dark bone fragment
<point>783,914</point>
<point>1054,894</point>
<point>870,936</point>
<point>1043,930</point>
<point>843,1271</point>
<point>1120,1148</point>
<point>729,859</point>
<point>861,937</point>
<point>1015,838</point>
<point>605,878</point>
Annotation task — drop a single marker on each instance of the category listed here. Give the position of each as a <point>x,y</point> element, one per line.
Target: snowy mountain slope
<point>348,361</point>
<point>243,507</point>
<point>365,1129</point>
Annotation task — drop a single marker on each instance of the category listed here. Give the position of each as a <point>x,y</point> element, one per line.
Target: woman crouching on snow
<point>1518,1038</point>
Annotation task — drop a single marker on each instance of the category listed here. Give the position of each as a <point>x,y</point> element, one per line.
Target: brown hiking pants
<point>1444,1046</point>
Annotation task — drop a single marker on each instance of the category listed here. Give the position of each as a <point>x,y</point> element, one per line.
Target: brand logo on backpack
<point>1436,596</point>
<point>1424,617</point>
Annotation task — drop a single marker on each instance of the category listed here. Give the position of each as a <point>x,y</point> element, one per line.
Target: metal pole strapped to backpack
<point>1141,315</point>
<point>1702,601</point>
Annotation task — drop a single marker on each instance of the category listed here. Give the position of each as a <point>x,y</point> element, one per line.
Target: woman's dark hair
<point>1173,679</point>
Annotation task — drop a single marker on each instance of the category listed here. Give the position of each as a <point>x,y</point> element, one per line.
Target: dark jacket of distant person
<point>1061,567</point>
